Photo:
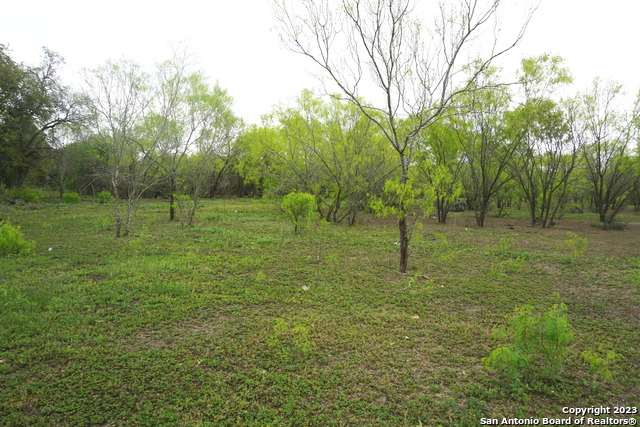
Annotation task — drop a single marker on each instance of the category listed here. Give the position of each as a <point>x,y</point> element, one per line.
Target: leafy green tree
<point>121,96</point>
<point>177,87</point>
<point>441,166</point>
<point>413,69</point>
<point>258,148</point>
<point>301,208</point>
<point>329,150</point>
<point>480,129</point>
<point>33,103</point>
<point>547,155</point>
<point>607,133</point>
<point>214,151</point>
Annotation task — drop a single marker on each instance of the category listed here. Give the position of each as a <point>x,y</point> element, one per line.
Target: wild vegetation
<point>151,274</point>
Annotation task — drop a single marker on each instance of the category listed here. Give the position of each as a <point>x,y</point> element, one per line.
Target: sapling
<point>538,347</point>
<point>301,208</point>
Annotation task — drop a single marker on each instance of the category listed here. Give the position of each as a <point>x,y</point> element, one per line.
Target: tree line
<point>170,133</point>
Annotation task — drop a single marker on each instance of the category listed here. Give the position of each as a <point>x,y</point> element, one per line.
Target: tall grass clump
<point>26,194</point>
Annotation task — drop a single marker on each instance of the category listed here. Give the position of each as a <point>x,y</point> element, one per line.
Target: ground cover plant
<point>240,321</point>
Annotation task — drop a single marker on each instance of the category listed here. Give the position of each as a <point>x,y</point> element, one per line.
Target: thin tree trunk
<point>130,206</point>
<point>481,215</point>
<point>116,205</point>
<point>404,243</point>
<point>192,211</point>
<point>402,219</point>
<point>172,208</point>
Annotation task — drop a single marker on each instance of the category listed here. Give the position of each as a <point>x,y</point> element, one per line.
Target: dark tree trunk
<point>404,243</point>
<point>116,195</point>
<point>480,216</point>
<point>172,208</point>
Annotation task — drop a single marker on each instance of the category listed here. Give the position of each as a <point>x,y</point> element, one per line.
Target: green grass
<point>239,321</point>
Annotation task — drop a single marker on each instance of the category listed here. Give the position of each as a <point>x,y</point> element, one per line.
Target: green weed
<point>12,241</point>
<point>599,363</point>
<point>538,345</point>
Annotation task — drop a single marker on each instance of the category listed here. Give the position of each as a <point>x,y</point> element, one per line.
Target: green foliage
<point>12,240</point>
<point>599,362</point>
<point>401,199</point>
<point>577,245</point>
<point>502,269</point>
<point>325,148</point>
<point>539,74</point>
<point>105,197</point>
<point>33,104</point>
<point>301,208</point>
<point>539,343</point>
<point>29,195</point>
<point>71,198</point>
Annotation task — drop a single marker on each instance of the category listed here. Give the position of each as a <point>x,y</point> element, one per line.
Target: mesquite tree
<point>546,155</point>
<point>412,70</point>
<point>607,134</point>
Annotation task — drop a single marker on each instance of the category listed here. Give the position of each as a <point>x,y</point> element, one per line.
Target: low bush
<point>12,240</point>
<point>599,363</point>
<point>182,202</point>
<point>538,345</point>
<point>105,198</point>
<point>460,205</point>
<point>71,198</point>
<point>28,195</point>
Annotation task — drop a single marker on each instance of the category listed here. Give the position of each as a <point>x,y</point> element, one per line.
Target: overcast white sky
<point>235,44</point>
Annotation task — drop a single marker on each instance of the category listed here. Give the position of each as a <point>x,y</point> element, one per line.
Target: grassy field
<point>239,321</point>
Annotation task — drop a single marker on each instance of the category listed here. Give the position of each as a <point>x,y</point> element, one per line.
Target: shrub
<point>577,245</point>
<point>460,205</point>
<point>29,195</point>
<point>105,198</point>
<point>12,240</point>
<point>301,208</point>
<point>538,347</point>
<point>71,198</point>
